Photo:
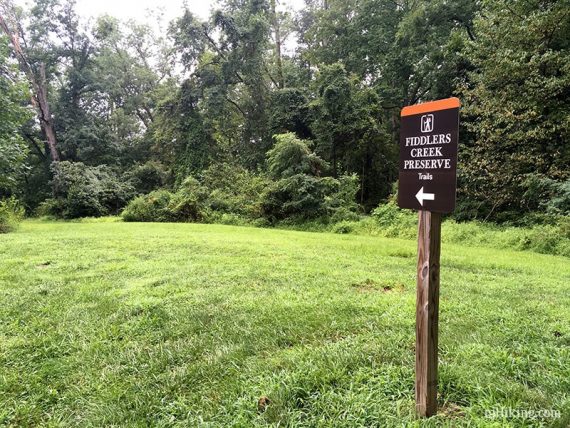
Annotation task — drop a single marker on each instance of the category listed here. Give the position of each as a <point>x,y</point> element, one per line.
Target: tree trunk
<point>276,28</point>
<point>46,120</point>
<point>335,175</point>
<point>364,161</point>
<point>39,90</point>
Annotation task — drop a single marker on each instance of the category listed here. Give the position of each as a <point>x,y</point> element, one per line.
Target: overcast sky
<point>137,9</point>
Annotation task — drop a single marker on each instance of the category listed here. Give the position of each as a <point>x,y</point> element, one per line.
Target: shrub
<point>234,190</point>
<point>232,219</point>
<point>340,201</point>
<point>83,191</point>
<point>149,208</point>
<point>547,239</point>
<point>147,177</point>
<point>292,156</point>
<point>82,201</point>
<point>187,204</point>
<point>559,203</point>
<point>300,196</point>
<point>344,227</point>
<point>11,214</point>
<point>394,222</point>
<point>545,194</point>
<point>114,193</point>
<point>51,208</point>
<point>303,197</point>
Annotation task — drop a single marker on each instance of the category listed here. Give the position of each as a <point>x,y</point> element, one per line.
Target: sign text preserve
<point>428,156</point>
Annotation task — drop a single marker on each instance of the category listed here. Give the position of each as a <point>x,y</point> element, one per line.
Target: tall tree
<point>228,60</point>
<point>516,101</point>
<point>350,133</point>
<point>31,63</point>
<point>277,39</point>
<point>13,115</point>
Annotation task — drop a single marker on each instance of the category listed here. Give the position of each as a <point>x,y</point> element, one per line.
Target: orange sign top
<point>431,106</point>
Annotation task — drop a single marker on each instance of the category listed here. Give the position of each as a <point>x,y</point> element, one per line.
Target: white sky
<point>138,9</point>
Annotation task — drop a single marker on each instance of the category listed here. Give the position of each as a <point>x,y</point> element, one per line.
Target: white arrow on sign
<point>421,196</point>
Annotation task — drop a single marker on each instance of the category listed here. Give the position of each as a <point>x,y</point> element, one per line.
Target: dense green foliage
<point>263,116</point>
<point>517,107</point>
<point>122,324</point>
<point>553,238</point>
<point>83,191</point>
<point>13,115</point>
<point>293,189</point>
<point>11,214</point>
<point>286,105</point>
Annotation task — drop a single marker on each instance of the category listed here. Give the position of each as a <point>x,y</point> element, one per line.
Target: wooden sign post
<point>427,312</point>
<point>427,183</point>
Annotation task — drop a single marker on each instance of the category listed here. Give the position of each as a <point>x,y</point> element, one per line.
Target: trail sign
<point>428,165</point>
<point>428,156</point>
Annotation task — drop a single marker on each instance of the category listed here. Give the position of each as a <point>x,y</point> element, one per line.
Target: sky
<point>138,9</point>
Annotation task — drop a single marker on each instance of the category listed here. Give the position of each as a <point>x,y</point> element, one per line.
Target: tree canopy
<point>312,94</point>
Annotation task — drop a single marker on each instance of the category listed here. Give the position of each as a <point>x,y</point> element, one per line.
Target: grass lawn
<point>120,324</point>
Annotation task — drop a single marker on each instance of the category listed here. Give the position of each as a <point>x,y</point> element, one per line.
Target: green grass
<point>114,324</point>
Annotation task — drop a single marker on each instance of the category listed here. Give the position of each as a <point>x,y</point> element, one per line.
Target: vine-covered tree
<point>517,102</point>
<point>13,115</point>
<point>135,109</point>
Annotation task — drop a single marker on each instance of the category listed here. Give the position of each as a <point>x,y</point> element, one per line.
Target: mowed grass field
<point>115,324</point>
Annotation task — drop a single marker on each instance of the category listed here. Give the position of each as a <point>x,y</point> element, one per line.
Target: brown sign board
<point>428,156</point>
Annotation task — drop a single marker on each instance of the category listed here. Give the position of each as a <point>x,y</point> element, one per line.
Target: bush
<point>292,156</point>
<point>186,205</point>
<point>559,203</point>
<point>149,208</point>
<point>233,195</point>
<point>82,201</point>
<point>147,177</point>
<point>340,202</point>
<point>50,208</point>
<point>546,238</point>
<point>541,201</point>
<point>83,191</point>
<point>234,190</point>
<point>545,194</point>
<point>394,222</point>
<point>344,227</point>
<point>230,219</point>
<point>304,197</point>
<point>11,214</point>
<point>300,196</point>
<point>300,193</point>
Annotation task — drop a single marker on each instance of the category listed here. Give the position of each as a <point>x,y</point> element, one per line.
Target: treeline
<point>271,115</point>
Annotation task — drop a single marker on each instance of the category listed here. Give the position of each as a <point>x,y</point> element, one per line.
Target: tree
<point>130,71</point>
<point>290,156</point>
<point>516,101</point>
<point>348,126</point>
<point>79,132</point>
<point>228,58</point>
<point>181,138</point>
<point>13,115</point>
<point>400,48</point>
<point>11,23</point>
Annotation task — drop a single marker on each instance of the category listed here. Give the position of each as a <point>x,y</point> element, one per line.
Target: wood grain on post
<point>427,309</point>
